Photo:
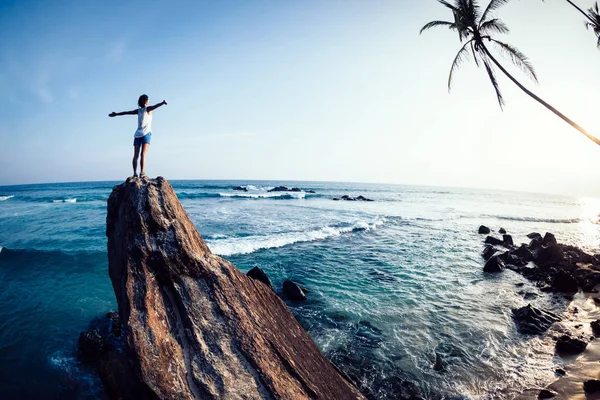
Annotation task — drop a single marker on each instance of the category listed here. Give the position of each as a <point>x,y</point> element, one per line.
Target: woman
<point>143,134</point>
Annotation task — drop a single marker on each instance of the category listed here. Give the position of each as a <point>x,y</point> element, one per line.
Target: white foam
<point>250,244</point>
<point>547,220</point>
<point>273,195</point>
<point>65,201</point>
<point>4,198</point>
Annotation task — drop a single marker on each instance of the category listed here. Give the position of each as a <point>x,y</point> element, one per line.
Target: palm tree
<point>593,18</point>
<point>475,29</point>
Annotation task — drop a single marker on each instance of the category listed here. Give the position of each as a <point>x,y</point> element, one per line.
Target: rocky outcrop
<point>193,325</point>
<point>530,320</point>
<point>350,198</point>
<point>483,230</point>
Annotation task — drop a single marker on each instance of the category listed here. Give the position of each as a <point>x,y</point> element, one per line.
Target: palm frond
<point>474,54</point>
<point>460,57</point>
<point>517,58</point>
<point>493,26</point>
<point>433,24</point>
<point>494,81</point>
<point>494,5</point>
<point>450,6</point>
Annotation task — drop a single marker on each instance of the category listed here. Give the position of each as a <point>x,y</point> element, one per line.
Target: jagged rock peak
<point>194,326</point>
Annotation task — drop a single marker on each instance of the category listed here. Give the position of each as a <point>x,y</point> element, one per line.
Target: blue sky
<point>292,90</point>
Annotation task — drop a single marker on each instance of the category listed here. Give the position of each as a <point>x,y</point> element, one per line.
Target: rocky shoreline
<point>563,270</point>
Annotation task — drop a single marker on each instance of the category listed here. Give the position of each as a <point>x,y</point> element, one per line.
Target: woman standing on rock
<point>143,134</point>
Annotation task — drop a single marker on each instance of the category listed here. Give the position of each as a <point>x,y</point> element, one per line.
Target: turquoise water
<point>394,284</point>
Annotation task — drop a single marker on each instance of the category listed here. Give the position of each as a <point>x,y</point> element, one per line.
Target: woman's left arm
<point>154,107</point>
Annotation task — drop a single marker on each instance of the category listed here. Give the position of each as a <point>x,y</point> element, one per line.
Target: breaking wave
<point>532,219</point>
<point>4,198</point>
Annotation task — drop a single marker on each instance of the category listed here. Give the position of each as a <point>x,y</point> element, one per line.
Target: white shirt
<point>144,123</point>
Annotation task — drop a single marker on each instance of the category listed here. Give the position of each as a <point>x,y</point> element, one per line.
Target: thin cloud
<point>116,51</point>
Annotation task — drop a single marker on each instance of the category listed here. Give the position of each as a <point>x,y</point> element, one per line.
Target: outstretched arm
<point>154,107</point>
<point>116,114</point>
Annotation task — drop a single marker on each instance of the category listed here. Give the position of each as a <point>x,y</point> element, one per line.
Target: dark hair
<point>142,100</point>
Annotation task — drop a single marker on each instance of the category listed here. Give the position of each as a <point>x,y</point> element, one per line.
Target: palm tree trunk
<point>539,100</point>
<point>580,10</point>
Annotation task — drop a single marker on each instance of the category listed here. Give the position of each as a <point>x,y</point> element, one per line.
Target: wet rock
<point>569,345</point>
<point>241,188</point>
<point>564,282</point>
<point>549,239</point>
<point>523,253</point>
<point>292,291</point>
<point>502,231</point>
<point>494,264</point>
<point>92,346</point>
<point>535,235</point>
<point>546,394</point>
<point>507,241</point>
<point>535,244</point>
<point>279,189</point>
<point>596,327</point>
<point>494,241</point>
<point>115,323</point>
<point>260,275</point>
<point>310,191</point>
<point>530,320</point>
<point>119,380</point>
<point>548,254</point>
<point>488,251</point>
<point>295,189</point>
<point>560,372</point>
<point>530,296</point>
<point>591,386</point>
<point>484,230</point>
<point>363,198</point>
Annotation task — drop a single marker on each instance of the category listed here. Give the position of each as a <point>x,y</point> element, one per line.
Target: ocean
<point>397,290</point>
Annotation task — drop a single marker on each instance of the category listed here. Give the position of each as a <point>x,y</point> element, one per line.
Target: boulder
<point>295,189</point>
<point>548,254</point>
<point>194,326</point>
<point>530,320</point>
<point>502,231</point>
<point>279,189</point>
<point>92,346</point>
<point>535,244</point>
<point>569,345</point>
<point>260,275</point>
<point>494,264</point>
<point>523,253</point>
<point>488,252</point>
<point>549,239</point>
<point>546,394</point>
<point>363,198</point>
<point>494,241</point>
<point>564,282</point>
<point>292,291</point>
<point>484,230</point>
<point>595,325</point>
<point>535,235</point>
<point>507,241</point>
<point>591,386</point>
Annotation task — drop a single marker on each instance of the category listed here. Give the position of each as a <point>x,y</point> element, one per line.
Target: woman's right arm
<point>115,114</point>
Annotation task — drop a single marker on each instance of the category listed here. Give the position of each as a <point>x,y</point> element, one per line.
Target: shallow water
<point>395,284</point>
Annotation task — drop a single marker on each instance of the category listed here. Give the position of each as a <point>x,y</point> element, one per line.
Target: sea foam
<point>4,198</point>
<point>250,244</point>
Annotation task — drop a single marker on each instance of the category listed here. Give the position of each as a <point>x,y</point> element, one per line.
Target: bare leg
<point>143,161</point>
<point>136,153</point>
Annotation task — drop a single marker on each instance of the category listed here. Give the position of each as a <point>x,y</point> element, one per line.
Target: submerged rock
<point>260,275</point>
<point>484,230</point>
<point>292,291</point>
<point>530,320</point>
<point>241,188</point>
<point>194,326</point>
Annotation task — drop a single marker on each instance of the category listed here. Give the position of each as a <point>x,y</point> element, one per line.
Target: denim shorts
<point>138,141</point>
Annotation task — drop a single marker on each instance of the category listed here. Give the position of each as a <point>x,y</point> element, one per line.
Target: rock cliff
<point>193,325</point>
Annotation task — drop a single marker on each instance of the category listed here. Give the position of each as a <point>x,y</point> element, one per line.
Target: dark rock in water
<point>439,363</point>
<point>260,275</point>
<point>310,191</point>
<point>564,282</point>
<point>535,235</point>
<point>502,231</point>
<point>119,380</point>
<point>530,296</point>
<point>494,264</point>
<point>363,198</point>
<point>279,189</point>
<point>293,291</point>
<point>243,189</point>
<point>519,284</point>
<point>92,346</point>
<point>507,241</point>
<point>569,345</point>
<point>591,386</point>
<point>560,372</point>
<point>336,198</point>
<point>484,230</point>
<point>535,244</point>
<point>115,323</point>
<point>295,189</point>
<point>523,253</point>
<point>549,239</point>
<point>494,241</point>
<point>530,320</point>
<point>548,254</point>
<point>546,394</point>
<point>488,252</point>
<point>194,326</point>
<point>596,327</point>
